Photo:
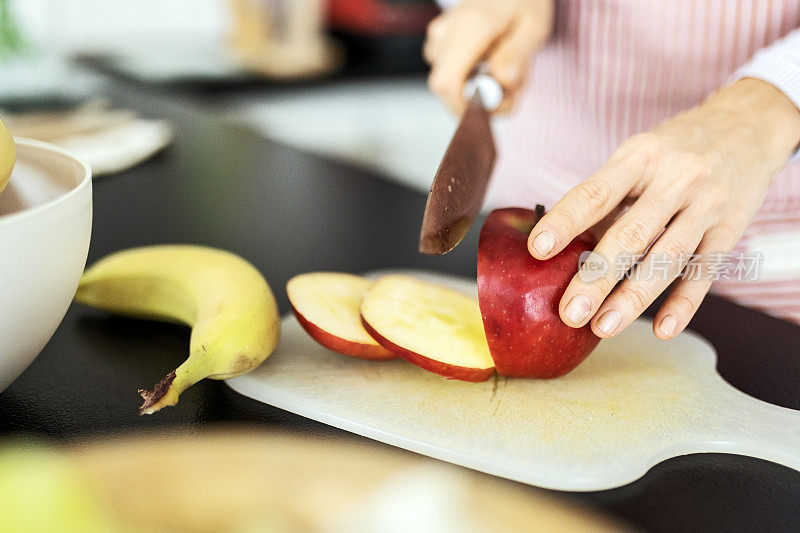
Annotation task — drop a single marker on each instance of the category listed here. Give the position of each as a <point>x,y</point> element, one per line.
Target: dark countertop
<point>289,212</point>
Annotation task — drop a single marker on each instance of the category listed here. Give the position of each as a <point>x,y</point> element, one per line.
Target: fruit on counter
<point>41,491</point>
<point>327,305</point>
<point>234,479</point>
<point>519,297</point>
<point>223,298</point>
<point>436,328</point>
<point>8,155</point>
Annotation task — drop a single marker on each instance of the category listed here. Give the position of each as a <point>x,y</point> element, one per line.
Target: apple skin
<point>519,296</point>
<point>460,373</point>
<point>343,346</point>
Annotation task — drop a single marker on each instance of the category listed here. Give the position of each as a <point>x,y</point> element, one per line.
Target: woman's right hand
<point>503,33</point>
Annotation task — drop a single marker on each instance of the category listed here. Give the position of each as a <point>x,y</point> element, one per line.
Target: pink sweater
<point>614,68</point>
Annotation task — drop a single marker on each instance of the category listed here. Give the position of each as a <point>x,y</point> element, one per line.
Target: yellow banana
<point>8,155</point>
<point>223,298</point>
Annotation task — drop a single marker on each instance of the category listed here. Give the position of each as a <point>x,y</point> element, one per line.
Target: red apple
<point>519,298</point>
<point>327,305</point>
<point>433,327</point>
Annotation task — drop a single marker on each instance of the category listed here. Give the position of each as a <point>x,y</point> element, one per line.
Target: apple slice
<point>433,327</point>
<point>519,297</point>
<point>327,305</point>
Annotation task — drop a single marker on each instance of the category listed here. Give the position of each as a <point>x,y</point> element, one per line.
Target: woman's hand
<point>699,177</point>
<point>504,33</point>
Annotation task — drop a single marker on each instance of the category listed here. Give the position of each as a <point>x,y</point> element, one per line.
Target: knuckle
<point>437,83</point>
<point>479,15</point>
<point>679,248</point>
<point>605,285</point>
<point>632,236</point>
<point>718,193</point>
<point>508,73</point>
<point>697,165</point>
<point>734,222</point>
<point>685,305</point>
<point>641,152</point>
<point>701,209</point>
<point>434,30</point>
<point>598,277</point>
<point>635,295</point>
<point>494,18</point>
<point>542,20</point>
<point>538,25</point>
<point>650,145</point>
<point>726,233</point>
<point>429,53</point>
<point>565,219</point>
<point>597,289</point>
<point>708,214</point>
<point>709,202</point>
<point>594,194</point>
<point>538,35</point>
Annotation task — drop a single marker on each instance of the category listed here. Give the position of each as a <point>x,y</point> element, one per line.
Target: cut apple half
<point>326,305</point>
<point>433,327</point>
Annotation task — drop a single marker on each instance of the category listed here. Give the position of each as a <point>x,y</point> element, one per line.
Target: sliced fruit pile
<point>433,327</point>
<point>327,305</point>
<point>513,327</point>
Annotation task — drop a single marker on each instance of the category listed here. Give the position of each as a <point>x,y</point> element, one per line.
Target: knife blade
<point>459,186</point>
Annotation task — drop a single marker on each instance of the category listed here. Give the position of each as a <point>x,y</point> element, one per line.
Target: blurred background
<point>341,77</point>
<point>117,82</point>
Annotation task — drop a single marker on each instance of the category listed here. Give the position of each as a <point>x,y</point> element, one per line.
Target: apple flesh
<point>433,327</point>
<point>327,305</point>
<point>519,297</point>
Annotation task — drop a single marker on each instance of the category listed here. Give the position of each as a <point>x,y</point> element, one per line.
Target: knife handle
<point>489,89</point>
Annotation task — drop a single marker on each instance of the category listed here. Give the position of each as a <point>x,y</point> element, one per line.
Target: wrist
<point>766,111</point>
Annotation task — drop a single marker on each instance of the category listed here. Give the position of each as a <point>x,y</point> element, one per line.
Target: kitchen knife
<point>459,187</point>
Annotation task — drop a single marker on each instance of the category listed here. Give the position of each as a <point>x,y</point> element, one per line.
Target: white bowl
<point>45,227</point>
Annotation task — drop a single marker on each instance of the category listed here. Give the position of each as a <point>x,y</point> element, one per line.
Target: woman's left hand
<point>699,178</point>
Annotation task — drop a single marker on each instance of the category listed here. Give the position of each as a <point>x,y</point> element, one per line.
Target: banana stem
<point>160,396</point>
<point>166,392</point>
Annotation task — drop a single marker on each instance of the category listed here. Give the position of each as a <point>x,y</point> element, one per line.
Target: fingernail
<point>544,242</point>
<point>667,325</point>
<point>609,322</point>
<point>578,309</point>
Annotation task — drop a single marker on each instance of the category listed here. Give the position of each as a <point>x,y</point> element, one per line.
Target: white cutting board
<point>633,403</point>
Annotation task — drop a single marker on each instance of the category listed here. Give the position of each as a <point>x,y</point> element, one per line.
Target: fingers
<point>680,306</point>
<point>458,40</point>
<point>629,168</point>
<point>508,62</point>
<point>663,263</point>
<point>505,34</point>
<point>616,252</point>
<point>433,39</point>
<point>583,206</point>
<point>687,295</point>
